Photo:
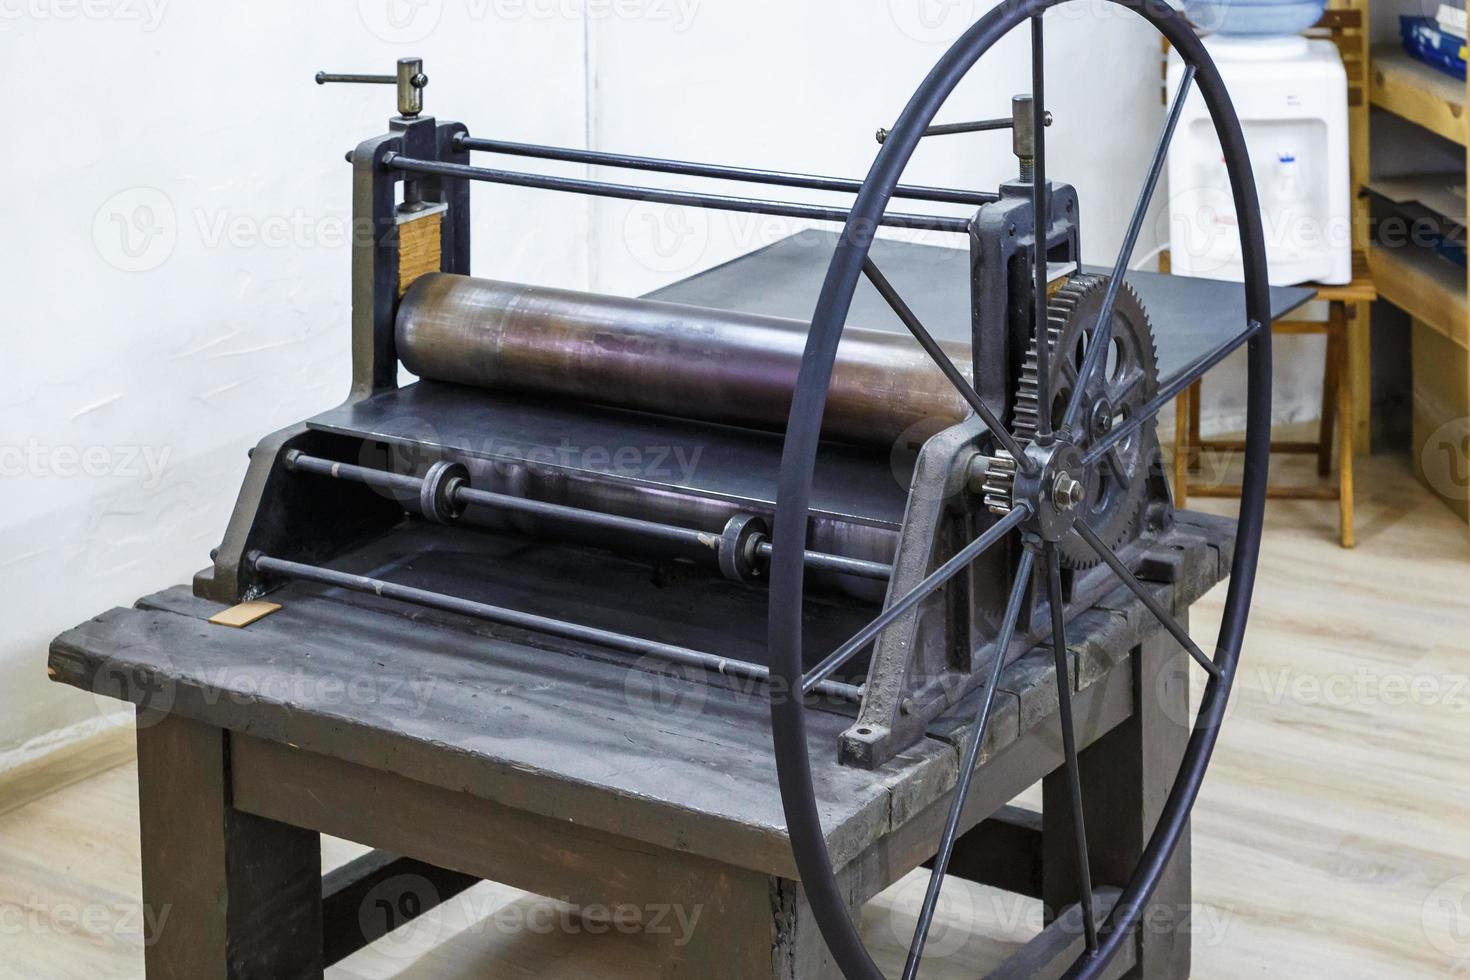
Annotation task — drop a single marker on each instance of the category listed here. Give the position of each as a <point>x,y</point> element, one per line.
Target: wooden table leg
<point>1126,778</point>
<point>234,896</point>
<point>730,924</point>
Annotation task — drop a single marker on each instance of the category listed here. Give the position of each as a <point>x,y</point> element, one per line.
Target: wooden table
<point>464,751</point>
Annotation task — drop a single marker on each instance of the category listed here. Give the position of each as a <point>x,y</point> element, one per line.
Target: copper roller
<point>684,361</point>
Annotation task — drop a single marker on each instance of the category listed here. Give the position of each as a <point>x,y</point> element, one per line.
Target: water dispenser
<point>1291,94</point>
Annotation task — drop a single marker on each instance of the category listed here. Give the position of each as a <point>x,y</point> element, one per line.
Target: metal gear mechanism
<point>1113,495</point>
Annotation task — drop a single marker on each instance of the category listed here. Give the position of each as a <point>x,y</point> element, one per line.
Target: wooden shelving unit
<point>1427,288</point>
<point>1431,290</point>
<point>1414,91</point>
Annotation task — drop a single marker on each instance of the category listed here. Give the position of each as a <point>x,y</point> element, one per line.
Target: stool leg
<point>1332,379</point>
<point>1360,369</point>
<point>1181,448</point>
<point>1346,438</point>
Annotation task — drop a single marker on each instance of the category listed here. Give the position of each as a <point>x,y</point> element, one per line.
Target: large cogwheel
<point>1127,380</point>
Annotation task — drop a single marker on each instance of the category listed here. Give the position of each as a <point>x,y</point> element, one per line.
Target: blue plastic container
<point>1254,18</point>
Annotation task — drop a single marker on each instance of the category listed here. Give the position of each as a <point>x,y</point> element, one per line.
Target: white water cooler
<point>1291,95</point>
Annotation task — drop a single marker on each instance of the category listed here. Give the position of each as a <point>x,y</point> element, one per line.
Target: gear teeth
<point>1000,483</point>
<point>1066,313</point>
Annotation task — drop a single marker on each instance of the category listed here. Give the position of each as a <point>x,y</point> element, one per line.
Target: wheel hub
<point>1101,417</point>
<point>1056,490</point>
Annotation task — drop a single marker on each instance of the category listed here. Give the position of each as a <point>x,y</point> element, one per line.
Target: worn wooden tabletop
<point>682,762</point>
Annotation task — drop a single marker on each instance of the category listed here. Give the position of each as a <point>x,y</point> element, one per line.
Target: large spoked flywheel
<point>1085,412</point>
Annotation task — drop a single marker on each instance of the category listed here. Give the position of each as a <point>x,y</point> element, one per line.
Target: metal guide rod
<point>975,126</point>
<point>409,78</point>
<point>628,192</point>
<point>540,624</point>
<point>626,161</point>
<point>1041,209</point>
<point>404,486</point>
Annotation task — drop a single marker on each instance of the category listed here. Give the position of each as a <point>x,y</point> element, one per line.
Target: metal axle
<point>652,649</point>
<point>403,486</point>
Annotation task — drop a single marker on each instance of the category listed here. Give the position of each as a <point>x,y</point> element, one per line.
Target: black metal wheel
<point>1070,448</point>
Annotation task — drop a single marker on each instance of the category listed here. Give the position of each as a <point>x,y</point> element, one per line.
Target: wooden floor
<point>1332,838</point>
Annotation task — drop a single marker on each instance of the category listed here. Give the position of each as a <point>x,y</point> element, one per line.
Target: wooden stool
<point>1345,305</point>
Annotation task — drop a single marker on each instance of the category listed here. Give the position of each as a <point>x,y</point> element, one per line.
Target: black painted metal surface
<point>1192,318</point>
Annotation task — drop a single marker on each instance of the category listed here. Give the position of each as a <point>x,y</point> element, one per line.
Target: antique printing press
<point>857,478</point>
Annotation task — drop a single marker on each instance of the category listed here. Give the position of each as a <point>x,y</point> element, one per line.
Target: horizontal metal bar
<point>975,126</point>
<point>626,161</point>
<point>652,649</point>
<point>399,485</point>
<point>629,192</point>
<point>323,77</point>
<point>823,561</point>
<point>407,487</point>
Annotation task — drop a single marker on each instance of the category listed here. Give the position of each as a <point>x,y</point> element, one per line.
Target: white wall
<point>802,86</point>
<point>176,269</point>
<point>175,255</point>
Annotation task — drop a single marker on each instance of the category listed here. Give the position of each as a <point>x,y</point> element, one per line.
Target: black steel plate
<point>1192,318</point>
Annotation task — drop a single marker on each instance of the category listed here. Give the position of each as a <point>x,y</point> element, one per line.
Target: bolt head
<point>1066,493</point>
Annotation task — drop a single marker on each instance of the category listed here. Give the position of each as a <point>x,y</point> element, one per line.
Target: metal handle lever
<point>977,126</point>
<point>410,80</point>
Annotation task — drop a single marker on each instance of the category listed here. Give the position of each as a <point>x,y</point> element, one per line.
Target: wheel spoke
<point>1069,741</point>
<point>1120,394</point>
<point>1139,589</point>
<point>1120,472</point>
<point>1042,213</point>
<point>914,596</point>
<point>967,766</point>
<point>940,358</point>
<point>1165,396</point>
<point>1097,349</point>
